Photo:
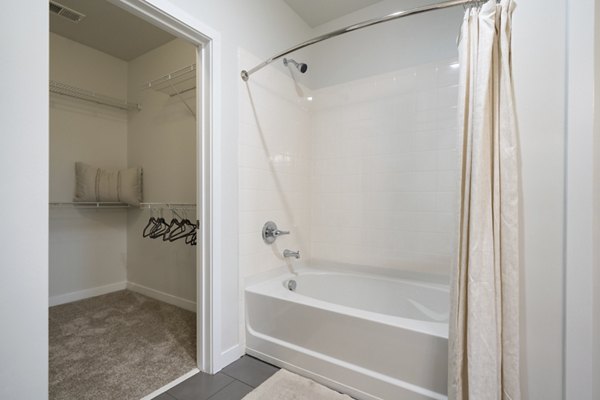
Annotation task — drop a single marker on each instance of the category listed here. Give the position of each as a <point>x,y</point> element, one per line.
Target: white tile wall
<point>366,173</point>
<point>384,169</point>
<point>274,167</point>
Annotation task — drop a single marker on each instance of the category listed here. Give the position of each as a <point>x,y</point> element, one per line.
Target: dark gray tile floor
<point>232,383</point>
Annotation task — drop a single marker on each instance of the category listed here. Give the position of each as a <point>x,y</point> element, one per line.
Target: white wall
<point>102,249</point>
<point>383,48</point>
<point>274,170</point>
<point>162,140</point>
<point>596,210</point>
<point>579,256</point>
<point>274,160</point>
<point>384,169</point>
<point>262,27</point>
<point>539,35</point>
<point>87,247</point>
<point>596,207</point>
<point>24,211</point>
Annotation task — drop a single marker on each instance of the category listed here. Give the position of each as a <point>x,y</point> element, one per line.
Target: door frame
<point>172,19</point>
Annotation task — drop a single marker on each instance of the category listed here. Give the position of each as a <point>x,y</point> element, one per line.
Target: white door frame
<point>166,16</point>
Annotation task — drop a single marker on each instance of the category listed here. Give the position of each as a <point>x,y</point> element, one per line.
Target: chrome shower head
<point>301,66</point>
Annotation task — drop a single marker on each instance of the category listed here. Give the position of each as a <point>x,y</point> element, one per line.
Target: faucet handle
<point>278,233</point>
<point>270,232</point>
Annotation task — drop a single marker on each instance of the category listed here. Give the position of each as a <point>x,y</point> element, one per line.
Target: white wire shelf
<point>88,204</point>
<point>171,206</point>
<point>175,83</point>
<point>112,205</point>
<point>64,89</point>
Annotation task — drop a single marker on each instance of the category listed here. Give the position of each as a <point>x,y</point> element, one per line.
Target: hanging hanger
<point>166,234</point>
<point>150,226</point>
<point>182,229</point>
<point>160,227</point>
<point>190,229</point>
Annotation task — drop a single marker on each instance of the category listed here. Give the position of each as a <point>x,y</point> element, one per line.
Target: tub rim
<point>274,286</point>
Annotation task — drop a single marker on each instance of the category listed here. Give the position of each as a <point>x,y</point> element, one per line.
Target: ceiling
<point>109,29</point>
<point>317,12</point>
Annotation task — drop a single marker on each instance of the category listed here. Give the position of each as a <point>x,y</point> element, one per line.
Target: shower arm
<point>245,74</point>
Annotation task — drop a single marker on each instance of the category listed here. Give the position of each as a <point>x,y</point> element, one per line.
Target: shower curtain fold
<point>484,324</point>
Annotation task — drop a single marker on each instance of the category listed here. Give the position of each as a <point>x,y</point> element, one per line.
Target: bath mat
<point>285,385</point>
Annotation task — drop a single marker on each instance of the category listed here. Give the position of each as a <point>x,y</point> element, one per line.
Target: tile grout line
<point>223,388</point>
<point>229,384</point>
<point>239,380</point>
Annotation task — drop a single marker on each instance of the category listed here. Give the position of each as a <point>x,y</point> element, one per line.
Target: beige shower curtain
<point>484,323</point>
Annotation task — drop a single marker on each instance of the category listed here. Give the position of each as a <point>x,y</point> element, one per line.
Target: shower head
<point>301,66</point>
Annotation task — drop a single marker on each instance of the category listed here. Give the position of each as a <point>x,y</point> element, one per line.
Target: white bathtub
<point>373,336</point>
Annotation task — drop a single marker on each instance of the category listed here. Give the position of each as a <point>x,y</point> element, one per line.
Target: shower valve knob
<point>270,232</point>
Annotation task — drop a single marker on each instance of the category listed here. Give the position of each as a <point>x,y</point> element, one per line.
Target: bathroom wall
<point>596,205</point>
<point>262,27</point>
<point>24,177</point>
<point>274,169</point>
<point>274,166</point>
<point>87,247</point>
<point>363,173</point>
<point>579,203</point>
<point>385,48</point>
<point>384,169</point>
<point>162,140</point>
<point>539,58</point>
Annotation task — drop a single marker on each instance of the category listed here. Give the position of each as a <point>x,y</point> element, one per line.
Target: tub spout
<point>288,253</point>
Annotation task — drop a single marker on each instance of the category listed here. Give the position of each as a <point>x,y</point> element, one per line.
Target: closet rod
<point>64,89</point>
<point>185,77</point>
<point>168,205</point>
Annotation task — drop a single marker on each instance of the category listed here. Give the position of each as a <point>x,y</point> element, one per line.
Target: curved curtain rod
<point>390,17</point>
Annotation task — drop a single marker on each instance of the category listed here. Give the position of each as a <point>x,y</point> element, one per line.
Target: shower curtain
<point>484,324</point>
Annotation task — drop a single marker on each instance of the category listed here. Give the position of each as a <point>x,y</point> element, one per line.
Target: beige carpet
<point>285,385</point>
<point>118,346</point>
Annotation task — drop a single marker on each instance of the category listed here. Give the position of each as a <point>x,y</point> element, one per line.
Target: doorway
<point>181,100</point>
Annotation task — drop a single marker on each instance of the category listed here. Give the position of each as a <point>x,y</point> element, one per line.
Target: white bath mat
<point>285,385</point>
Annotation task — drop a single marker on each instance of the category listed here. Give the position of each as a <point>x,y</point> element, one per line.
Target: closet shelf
<point>105,205</point>
<point>81,204</point>
<point>87,95</point>
<point>175,83</point>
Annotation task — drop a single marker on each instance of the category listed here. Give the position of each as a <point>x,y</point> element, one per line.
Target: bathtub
<point>373,336</point>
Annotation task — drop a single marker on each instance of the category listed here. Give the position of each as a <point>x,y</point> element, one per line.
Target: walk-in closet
<point>123,194</point>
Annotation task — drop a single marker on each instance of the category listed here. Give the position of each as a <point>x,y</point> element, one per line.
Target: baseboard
<point>114,287</point>
<point>162,296</point>
<point>86,293</point>
<point>171,384</point>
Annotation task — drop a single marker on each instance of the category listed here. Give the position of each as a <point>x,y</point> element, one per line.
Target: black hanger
<point>166,234</point>
<point>191,238</point>
<point>160,228</point>
<point>174,232</point>
<point>151,224</point>
<point>185,228</point>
